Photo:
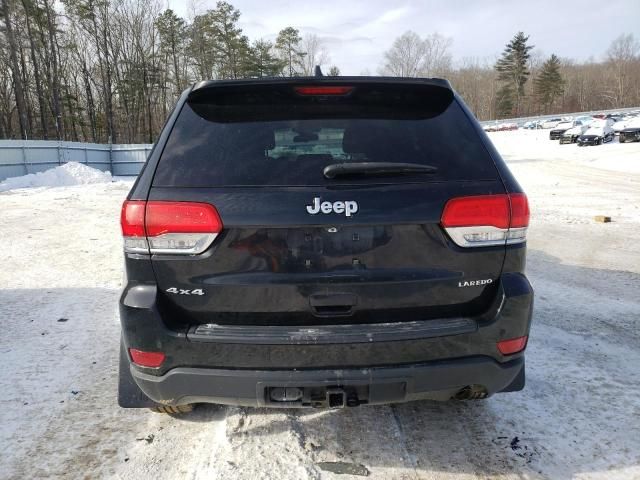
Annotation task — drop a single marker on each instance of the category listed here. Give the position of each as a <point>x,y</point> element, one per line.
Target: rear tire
<point>173,410</point>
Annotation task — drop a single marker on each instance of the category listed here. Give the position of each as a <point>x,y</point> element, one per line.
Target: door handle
<point>333,304</point>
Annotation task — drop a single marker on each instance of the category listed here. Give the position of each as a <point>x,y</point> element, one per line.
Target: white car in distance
<point>571,135</point>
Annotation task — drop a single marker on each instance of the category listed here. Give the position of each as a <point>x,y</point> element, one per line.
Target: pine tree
<point>288,46</point>
<point>512,69</point>
<point>262,62</point>
<point>334,71</point>
<point>218,47</point>
<point>549,85</point>
<point>504,101</point>
<point>172,30</point>
<point>232,47</point>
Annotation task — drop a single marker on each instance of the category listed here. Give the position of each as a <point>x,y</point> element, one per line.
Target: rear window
<point>214,145</point>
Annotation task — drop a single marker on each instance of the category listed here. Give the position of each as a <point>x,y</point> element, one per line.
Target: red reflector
<point>132,218</point>
<point>519,210</point>
<point>324,90</point>
<point>146,359</point>
<point>513,345</point>
<point>181,217</point>
<point>481,210</point>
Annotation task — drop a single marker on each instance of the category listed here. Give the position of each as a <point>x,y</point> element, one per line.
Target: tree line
<point>111,70</point>
<point>523,81</point>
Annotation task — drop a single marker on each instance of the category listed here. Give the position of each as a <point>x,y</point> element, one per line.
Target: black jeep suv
<point>322,242</point>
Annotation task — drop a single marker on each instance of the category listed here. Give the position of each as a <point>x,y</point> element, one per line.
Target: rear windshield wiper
<point>376,168</point>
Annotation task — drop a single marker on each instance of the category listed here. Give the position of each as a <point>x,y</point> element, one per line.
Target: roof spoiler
<point>321,80</point>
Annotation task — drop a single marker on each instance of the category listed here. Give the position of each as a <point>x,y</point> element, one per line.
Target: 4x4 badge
<point>347,207</point>
<point>184,291</point>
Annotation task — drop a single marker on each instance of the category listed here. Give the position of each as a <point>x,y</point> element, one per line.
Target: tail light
<point>146,359</point>
<point>485,220</point>
<point>513,345</point>
<point>184,228</point>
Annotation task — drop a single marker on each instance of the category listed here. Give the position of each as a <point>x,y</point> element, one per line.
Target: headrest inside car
<point>251,138</point>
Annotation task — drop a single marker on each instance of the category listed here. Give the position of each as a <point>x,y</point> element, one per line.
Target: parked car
<point>571,135</point>
<point>562,127</point>
<point>503,127</point>
<point>622,124</point>
<point>281,252</point>
<point>585,119</point>
<point>632,132</point>
<point>532,125</point>
<point>550,123</point>
<point>597,121</point>
<point>618,126</point>
<point>596,135</point>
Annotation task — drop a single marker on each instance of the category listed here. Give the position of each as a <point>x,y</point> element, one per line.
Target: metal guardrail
<point>21,157</point>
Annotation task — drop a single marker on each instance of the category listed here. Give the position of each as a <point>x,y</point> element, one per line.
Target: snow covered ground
<point>535,145</point>
<point>578,417</point>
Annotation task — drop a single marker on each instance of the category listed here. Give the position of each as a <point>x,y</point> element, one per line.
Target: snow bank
<point>71,173</point>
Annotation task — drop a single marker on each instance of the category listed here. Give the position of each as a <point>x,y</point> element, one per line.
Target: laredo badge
<point>474,283</point>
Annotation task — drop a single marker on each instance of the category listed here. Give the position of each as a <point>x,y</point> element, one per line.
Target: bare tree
<point>622,54</point>
<point>52,30</point>
<point>316,53</point>
<point>436,61</point>
<point>405,58</point>
<point>29,8</point>
<point>475,80</point>
<point>412,56</point>
<point>15,69</point>
<point>7,101</point>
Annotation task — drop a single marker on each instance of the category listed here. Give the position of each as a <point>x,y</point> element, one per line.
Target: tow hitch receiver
<point>316,397</point>
<point>336,398</point>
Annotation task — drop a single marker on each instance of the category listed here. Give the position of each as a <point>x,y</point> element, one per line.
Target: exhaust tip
<point>472,392</point>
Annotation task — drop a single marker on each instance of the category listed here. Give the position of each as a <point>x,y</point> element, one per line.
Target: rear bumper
<point>629,137</point>
<point>587,142</point>
<point>422,359</point>
<point>436,380</point>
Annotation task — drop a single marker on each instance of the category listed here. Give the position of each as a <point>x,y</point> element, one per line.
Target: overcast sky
<point>357,32</point>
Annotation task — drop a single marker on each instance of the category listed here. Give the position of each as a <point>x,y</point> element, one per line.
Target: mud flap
<point>518,383</point>
<point>129,394</point>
